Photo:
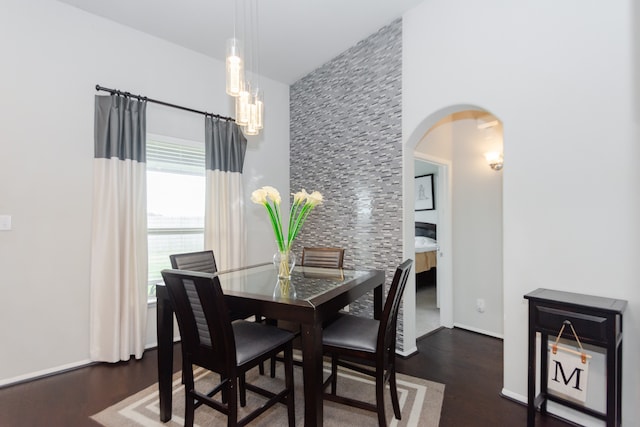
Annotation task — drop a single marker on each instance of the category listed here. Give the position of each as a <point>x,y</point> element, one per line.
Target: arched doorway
<point>469,219</point>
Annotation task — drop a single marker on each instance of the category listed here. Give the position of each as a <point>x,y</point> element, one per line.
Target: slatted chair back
<point>322,257</point>
<point>203,261</point>
<point>203,319</point>
<point>389,317</point>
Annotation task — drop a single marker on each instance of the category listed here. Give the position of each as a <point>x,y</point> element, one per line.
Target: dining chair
<point>205,262</point>
<point>371,343</point>
<point>212,341</point>
<point>322,257</point>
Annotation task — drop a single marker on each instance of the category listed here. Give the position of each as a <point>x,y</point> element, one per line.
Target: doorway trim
<point>444,271</point>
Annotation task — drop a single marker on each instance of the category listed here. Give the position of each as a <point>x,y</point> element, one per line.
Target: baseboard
<point>426,334</point>
<point>559,412</point>
<point>478,330</point>
<point>516,397</point>
<point>44,373</point>
<point>31,376</point>
<point>407,353</point>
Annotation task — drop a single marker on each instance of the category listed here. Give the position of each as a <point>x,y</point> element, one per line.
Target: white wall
<point>53,56</point>
<point>563,78</point>
<point>477,233</point>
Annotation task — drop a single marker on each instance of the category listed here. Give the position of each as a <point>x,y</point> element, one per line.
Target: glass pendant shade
<point>251,128</point>
<point>242,108</point>
<point>259,110</point>
<point>235,68</point>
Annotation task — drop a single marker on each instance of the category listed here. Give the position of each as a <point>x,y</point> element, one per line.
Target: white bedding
<point>425,244</point>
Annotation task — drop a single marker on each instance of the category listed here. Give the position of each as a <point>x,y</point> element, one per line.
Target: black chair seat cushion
<point>253,339</point>
<point>352,332</point>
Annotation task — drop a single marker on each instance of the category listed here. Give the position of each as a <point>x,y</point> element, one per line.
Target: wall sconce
<point>494,159</point>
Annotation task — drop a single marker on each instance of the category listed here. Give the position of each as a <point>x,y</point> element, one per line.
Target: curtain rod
<point>144,98</point>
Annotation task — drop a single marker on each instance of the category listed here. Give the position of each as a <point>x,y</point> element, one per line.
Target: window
<point>175,201</point>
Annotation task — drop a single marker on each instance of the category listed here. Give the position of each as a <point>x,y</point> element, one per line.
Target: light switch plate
<point>5,222</point>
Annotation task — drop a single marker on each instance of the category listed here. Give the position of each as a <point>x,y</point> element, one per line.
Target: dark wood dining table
<point>319,294</point>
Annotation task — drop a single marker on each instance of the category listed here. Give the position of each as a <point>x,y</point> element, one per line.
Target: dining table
<point>311,297</point>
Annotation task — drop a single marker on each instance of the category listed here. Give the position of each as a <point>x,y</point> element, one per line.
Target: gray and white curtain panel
<point>224,226</point>
<point>119,258</point>
<point>119,232</point>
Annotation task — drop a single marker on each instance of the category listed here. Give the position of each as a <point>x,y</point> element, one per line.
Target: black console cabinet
<point>598,321</point>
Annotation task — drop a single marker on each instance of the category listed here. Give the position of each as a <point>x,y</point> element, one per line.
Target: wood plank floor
<point>470,366</point>
<point>468,363</point>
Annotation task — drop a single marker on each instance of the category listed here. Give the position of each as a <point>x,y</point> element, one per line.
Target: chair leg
<point>232,394</point>
<point>394,393</point>
<point>272,322</point>
<point>243,390</point>
<point>224,391</point>
<point>189,400</point>
<point>273,367</point>
<point>334,373</point>
<point>189,409</point>
<point>382,419</point>
<point>258,319</point>
<point>288,378</point>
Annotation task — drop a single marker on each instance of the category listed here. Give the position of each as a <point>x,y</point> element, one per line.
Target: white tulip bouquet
<point>303,204</point>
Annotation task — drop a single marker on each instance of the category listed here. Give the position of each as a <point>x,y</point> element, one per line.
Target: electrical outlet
<point>480,305</point>
<point>5,222</point>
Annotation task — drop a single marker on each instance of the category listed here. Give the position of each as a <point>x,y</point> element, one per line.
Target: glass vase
<point>284,261</point>
<point>284,289</point>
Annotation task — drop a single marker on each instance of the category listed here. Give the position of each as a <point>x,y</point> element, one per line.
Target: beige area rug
<point>420,403</point>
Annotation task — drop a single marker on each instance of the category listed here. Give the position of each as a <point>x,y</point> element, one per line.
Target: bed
<point>426,244</point>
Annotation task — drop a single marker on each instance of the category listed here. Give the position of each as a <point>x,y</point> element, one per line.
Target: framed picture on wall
<point>424,193</point>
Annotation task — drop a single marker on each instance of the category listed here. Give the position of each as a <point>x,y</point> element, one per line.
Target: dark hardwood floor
<point>469,364</point>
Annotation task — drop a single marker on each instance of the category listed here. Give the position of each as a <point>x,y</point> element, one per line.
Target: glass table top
<point>307,282</point>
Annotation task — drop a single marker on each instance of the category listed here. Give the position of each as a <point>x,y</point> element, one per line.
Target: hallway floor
<point>427,313</point>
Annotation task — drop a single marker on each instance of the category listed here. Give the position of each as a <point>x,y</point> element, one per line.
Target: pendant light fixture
<point>243,70</point>
<point>259,110</point>
<point>242,105</point>
<point>235,67</point>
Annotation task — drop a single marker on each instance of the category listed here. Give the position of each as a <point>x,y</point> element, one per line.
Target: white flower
<point>314,198</point>
<point>300,196</point>
<point>259,196</point>
<point>273,194</point>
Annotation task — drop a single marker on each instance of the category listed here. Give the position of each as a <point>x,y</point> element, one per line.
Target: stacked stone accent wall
<point>346,142</point>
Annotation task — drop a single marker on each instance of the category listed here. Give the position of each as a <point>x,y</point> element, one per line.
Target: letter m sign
<point>568,375</point>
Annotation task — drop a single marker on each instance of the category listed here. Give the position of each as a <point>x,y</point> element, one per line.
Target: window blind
<point>165,156</point>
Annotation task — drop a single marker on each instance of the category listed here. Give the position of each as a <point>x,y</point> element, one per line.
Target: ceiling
<point>296,36</point>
